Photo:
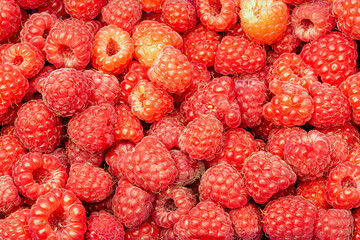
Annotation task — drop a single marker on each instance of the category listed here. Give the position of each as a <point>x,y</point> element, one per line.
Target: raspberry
<point>39,79</point>
<point>333,56</point>
<point>349,88</point>
<point>216,98</point>
<point>205,221</point>
<point>354,155</point>
<point>151,5</point>
<point>60,153</point>
<point>9,194</point>
<point>343,186</point>
<point>334,224</point>
<point>202,137</point>
<point>104,225</point>
<point>168,130</point>
<point>115,155</point>
<point>131,205</point>
<point>149,102</point>
<point>147,230</point>
<point>38,129</point>
<point>201,44</point>
<point>247,221</point>
<point>84,10</point>
<point>290,106</point>
<point>259,145</point>
<point>264,22</point>
<point>238,55</point>
<point>77,155</point>
<point>9,116</point>
<point>11,151</point>
<point>30,4</point>
<point>94,26</point>
<point>356,233</point>
<point>36,29</point>
<point>236,31</point>
<point>288,43</point>
<point>308,154</point>
<point>10,19</point>
<point>347,19</point>
<point>278,138</point>
<point>224,185</point>
<point>171,205</point>
<point>35,174</point>
<point>168,234</point>
<point>315,191</point>
<point>291,217</point>
<point>339,150</point>
<point>7,130</point>
<point>220,18</point>
<point>93,129</point>
<point>57,214</point>
<point>13,86</point>
<point>104,205</point>
<point>263,129</point>
<point>150,166</point>
<point>89,183</point>
<point>15,225</point>
<point>55,7</point>
<point>291,68</point>
<point>180,15</point>
<point>113,50</point>
<point>69,44</point>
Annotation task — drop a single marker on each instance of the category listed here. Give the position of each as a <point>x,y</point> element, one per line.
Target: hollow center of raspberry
<point>57,220</point>
<point>65,52</point>
<point>112,47</point>
<point>170,205</point>
<point>41,175</point>
<point>18,60</point>
<point>306,24</point>
<point>348,182</point>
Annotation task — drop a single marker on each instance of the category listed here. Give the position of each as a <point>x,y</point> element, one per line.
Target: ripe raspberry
<point>113,50</point>
<point>94,26</point>
<point>259,145</point>
<point>69,44</point>
<point>220,18</point>
<point>147,230</point>
<point>349,88</point>
<point>263,129</point>
<point>354,155</point>
<point>84,10</point>
<point>290,106</point>
<point>104,225</point>
<point>288,43</point>
<point>290,67</point>
<point>9,116</point>
<point>9,194</point>
<point>216,98</point>
<point>291,217</point>
<point>60,153</point>
<point>10,19</point>
<point>89,183</point>
<point>15,225</point>
<point>151,5</point>
<point>168,234</point>
<point>38,129</point>
<point>238,55</point>
<point>104,205</point>
<point>150,166</point>
<point>55,7</point>
<point>30,4</point>
<point>171,205</point>
<point>264,22</point>
<point>202,137</point>
<point>7,130</point>
<point>236,31</point>
<point>115,155</point>
<point>347,19</point>
<point>57,214</point>
<point>334,224</point>
<point>77,155</point>
<point>39,79</point>
<point>205,221</point>
<point>247,221</point>
<point>339,150</point>
<point>93,129</point>
<point>356,232</point>
<point>11,151</point>
<point>333,56</point>
<point>180,15</point>
<point>35,174</point>
<point>131,205</point>
<point>149,102</point>
<point>315,191</point>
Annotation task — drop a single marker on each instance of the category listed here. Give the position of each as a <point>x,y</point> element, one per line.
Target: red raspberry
<point>150,166</point>
<point>278,138</point>
<point>189,170</point>
<point>131,205</point>
<point>60,153</point>
<point>10,19</point>
<point>202,137</point>
<point>13,86</point>
<point>149,102</point>
<point>290,67</point>
<point>54,7</point>
<point>11,151</point>
<point>224,185</point>
<point>180,15</point>
<point>288,43</point>
<point>113,50</point>
<point>291,217</point>
<point>236,31</point>
<point>350,89</point>
<point>84,10</point>
<point>94,26</point>
<point>247,221</point>
<point>147,230</point>
<point>347,19</point>
<point>343,186</point>
<point>104,205</point>
<point>9,116</point>
<point>339,150</point>
<point>39,79</point>
<point>354,155</point>
<point>69,44</point>
<point>297,2</point>
<point>201,44</point>
<point>93,129</point>
<point>356,232</point>
<point>168,234</point>
<point>57,214</point>
<point>315,191</point>
<point>238,55</point>
<point>30,4</point>
<point>15,226</point>
<point>263,129</point>
<point>334,224</point>
<point>290,106</point>
<point>115,155</point>
<point>171,205</point>
<point>9,194</point>
<point>308,154</point>
<point>77,155</point>
<point>216,98</point>
<point>153,16</point>
<point>38,129</point>
<point>151,5</point>
<point>7,130</point>
<point>264,22</point>
<point>271,57</point>
<point>259,145</point>
<point>35,174</point>
<point>205,221</point>
<point>89,183</point>
<point>333,56</point>
<point>104,225</point>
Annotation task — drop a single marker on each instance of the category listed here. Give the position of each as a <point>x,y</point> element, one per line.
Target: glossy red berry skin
<point>84,10</point>
<point>10,197</point>
<point>15,226</point>
<point>11,151</point>
<point>78,155</point>
<point>349,88</point>
<point>315,191</point>
<point>115,155</point>
<point>345,11</point>
<point>147,230</point>
<point>10,19</point>
<point>103,224</point>
<point>180,15</point>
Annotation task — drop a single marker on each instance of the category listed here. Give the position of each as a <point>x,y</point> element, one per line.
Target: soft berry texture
<point>15,225</point>
<point>10,19</point>
<point>354,155</point>
<point>77,155</point>
<point>115,155</point>
<point>350,89</point>
<point>103,224</point>
<point>11,151</point>
<point>39,79</point>
<point>263,130</point>
<point>84,10</point>
<point>356,230</point>
<point>9,194</point>
<point>131,205</point>
<point>238,55</point>
<point>291,217</point>
<point>60,153</point>
<point>93,129</point>
<point>54,7</point>
<point>315,191</point>
<point>7,130</point>
<point>8,117</point>
<point>30,4</point>
<point>180,15</point>
<point>347,19</point>
<point>57,214</point>
<point>288,43</point>
<point>339,150</point>
<point>202,137</point>
<point>37,128</point>
<point>333,56</point>
<point>147,230</point>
